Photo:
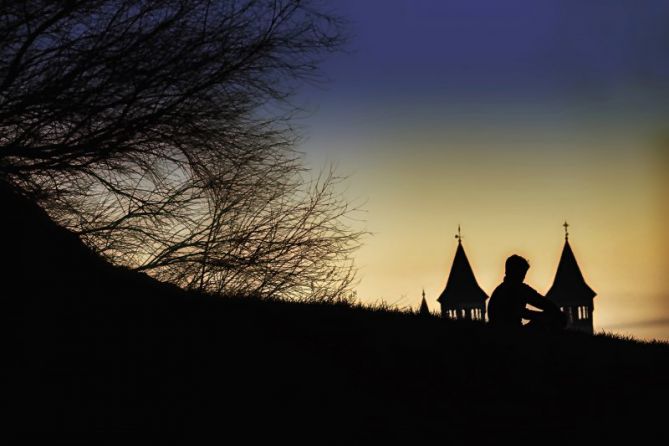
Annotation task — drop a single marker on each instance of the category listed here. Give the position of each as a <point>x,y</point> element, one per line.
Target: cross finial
<point>459,235</point>
<point>566,230</point>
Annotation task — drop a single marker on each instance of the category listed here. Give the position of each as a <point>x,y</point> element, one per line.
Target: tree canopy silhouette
<point>159,131</point>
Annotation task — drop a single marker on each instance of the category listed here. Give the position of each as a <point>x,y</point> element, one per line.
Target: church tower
<point>570,292</point>
<point>424,310</point>
<point>462,298</point>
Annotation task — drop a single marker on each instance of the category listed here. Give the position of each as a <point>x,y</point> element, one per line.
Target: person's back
<point>507,304</point>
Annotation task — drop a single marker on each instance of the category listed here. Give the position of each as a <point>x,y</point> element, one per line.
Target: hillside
<point>95,348</point>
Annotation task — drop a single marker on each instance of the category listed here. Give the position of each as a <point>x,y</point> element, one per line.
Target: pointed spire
<point>569,286</point>
<point>424,310</point>
<point>461,286</point>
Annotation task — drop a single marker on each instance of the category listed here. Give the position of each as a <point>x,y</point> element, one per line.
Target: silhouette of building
<point>424,310</point>
<point>462,298</point>
<point>570,292</point>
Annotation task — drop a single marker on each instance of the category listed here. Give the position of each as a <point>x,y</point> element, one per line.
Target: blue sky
<point>507,117</point>
<point>551,48</point>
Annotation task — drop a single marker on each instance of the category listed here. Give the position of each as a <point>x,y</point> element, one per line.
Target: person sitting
<point>507,306</point>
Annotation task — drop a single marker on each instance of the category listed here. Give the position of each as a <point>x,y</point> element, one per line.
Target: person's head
<point>516,267</point>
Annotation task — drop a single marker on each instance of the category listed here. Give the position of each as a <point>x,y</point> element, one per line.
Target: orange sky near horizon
<point>510,184</point>
<point>507,118</point>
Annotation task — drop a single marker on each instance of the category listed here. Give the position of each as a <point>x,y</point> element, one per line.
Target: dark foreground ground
<point>92,350</point>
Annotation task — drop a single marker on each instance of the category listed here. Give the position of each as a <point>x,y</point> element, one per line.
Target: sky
<point>506,118</point>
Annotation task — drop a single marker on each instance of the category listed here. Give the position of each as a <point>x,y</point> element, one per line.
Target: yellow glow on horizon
<point>512,197</point>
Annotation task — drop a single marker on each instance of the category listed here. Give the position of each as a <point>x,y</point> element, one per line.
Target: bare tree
<point>160,132</point>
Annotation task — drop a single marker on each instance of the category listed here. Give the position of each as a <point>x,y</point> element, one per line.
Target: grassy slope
<point>90,346</point>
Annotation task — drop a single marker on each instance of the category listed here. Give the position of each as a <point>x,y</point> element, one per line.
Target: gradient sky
<point>507,118</point>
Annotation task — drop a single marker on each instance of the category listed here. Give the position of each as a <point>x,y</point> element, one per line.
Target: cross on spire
<point>566,230</point>
<point>459,235</point>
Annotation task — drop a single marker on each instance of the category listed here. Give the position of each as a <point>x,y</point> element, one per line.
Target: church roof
<point>461,287</point>
<point>424,310</point>
<point>569,287</point>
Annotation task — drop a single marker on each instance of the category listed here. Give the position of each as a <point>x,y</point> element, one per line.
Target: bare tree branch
<point>159,132</point>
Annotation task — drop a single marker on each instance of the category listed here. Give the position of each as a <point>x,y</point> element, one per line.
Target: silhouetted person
<point>508,303</point>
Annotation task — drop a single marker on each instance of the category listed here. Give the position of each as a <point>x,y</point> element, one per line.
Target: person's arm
<point>530,315</point>
<point>537,300</point>
<point>551,312</point>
